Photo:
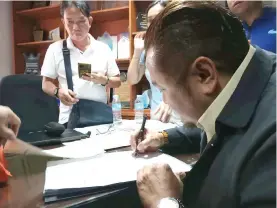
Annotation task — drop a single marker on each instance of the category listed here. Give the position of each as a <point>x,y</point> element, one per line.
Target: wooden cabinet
<point>115,17</point>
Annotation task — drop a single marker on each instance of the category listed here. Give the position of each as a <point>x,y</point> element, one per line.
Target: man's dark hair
<point>186,30</point>
<point>163,3</point>
<point>82,5</point>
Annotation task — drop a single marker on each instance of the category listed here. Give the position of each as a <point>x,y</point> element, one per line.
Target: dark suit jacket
<point>237,169</point>
<point>183,140</point>
<point>238,166</point>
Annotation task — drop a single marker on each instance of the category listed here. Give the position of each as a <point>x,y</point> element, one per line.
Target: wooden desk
<point>25,188</point>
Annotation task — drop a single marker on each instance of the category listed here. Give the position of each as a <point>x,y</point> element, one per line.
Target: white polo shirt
<point>100,57</point>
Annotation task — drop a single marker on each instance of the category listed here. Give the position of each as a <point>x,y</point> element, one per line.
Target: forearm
<point>114,82</point>
<point>49,86</point>
<point>135,70</point>
<point>182,139</point>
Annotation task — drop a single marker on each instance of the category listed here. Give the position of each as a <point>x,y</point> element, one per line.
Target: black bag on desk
<point>85,112</point>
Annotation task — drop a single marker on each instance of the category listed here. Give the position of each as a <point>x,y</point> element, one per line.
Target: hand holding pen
<point>140,136</point>
<point>152,141</point>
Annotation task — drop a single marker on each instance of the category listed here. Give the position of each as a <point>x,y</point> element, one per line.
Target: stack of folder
<point>103,173</point>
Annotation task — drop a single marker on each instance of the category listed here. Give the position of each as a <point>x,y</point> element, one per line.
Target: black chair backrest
<point>24,95</point>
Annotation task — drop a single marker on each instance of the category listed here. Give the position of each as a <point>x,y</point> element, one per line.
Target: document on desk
<point>113,140</point>
<point>116,137</point>
<point>102,171</point>
<point>75,151</point>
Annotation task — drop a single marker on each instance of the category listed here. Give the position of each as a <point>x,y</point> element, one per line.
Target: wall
<point>5,38</point>
<point>269,3</point>
<point>265,2</point>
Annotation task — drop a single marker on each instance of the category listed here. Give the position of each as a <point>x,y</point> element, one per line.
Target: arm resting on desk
<point>183,140</point>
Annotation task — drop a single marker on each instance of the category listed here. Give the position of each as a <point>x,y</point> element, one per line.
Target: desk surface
<point>25,188</point>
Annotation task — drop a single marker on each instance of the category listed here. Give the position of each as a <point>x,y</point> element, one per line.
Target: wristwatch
<point>106,82</point>
<point>170,202</point>
<point>56,92</point>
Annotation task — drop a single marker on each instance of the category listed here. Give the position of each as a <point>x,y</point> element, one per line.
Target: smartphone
<point>84,68</point>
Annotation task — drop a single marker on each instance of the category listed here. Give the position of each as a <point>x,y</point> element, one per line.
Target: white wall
<point>5,38</point>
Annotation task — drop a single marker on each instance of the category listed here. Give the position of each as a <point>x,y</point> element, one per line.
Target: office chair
<point>24,95</point>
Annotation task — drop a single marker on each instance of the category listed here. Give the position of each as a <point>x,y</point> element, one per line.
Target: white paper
<point>118,136</point>
<point>128,125</point>
<point>107,169</point>
<point>107,141</point>
<point>75,151</point>
<point>85,130</point>
<point>115,140</point>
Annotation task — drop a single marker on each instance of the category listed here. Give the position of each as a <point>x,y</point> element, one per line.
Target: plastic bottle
<point>116,106</point>
<point>139,108</point>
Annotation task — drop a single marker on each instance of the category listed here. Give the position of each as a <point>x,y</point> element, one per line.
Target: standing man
<point>259,22</point>
<point>213,78</point>
<point>83,49</point>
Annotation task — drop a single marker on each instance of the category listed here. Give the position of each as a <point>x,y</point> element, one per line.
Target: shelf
<point>135,33</point>
<point>53,11</point>
<point>130,114</point>
<point>44,43</point>
<point>47,12</point>
<point>112,14</point>
<point>123,62</point>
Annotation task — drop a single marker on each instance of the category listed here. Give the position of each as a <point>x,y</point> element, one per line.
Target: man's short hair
<point>82,5</point>
<point>186,30</point>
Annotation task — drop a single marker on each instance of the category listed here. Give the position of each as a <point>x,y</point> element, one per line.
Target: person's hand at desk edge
<point>157,184</point>
<point>150,178</point>
<point>9,127</point>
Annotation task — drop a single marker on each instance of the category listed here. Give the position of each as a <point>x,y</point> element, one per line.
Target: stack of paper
<point>96,174</point>
<point>107,142</point>
<point>115,137</point>
<point>153,125</point>
<point>75,151</point>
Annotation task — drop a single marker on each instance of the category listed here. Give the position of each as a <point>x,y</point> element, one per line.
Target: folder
<point>102,173</point>
<point>40,138</point>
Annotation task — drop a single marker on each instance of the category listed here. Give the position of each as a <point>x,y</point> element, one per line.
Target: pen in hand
<point>140,137</point>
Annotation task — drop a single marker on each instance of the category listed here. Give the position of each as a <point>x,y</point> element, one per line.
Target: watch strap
<point>181,205</point>
<point>164,202</point>
<point>56,92</point>
<point>165,137</point>
<point>108,79</point>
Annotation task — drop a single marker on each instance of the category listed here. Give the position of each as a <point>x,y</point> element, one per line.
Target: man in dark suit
<point>198,55</point>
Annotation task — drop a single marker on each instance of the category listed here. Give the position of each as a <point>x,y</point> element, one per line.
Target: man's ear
<point>90,19</point>
<point>204,70</point>
<point>62,19</point>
